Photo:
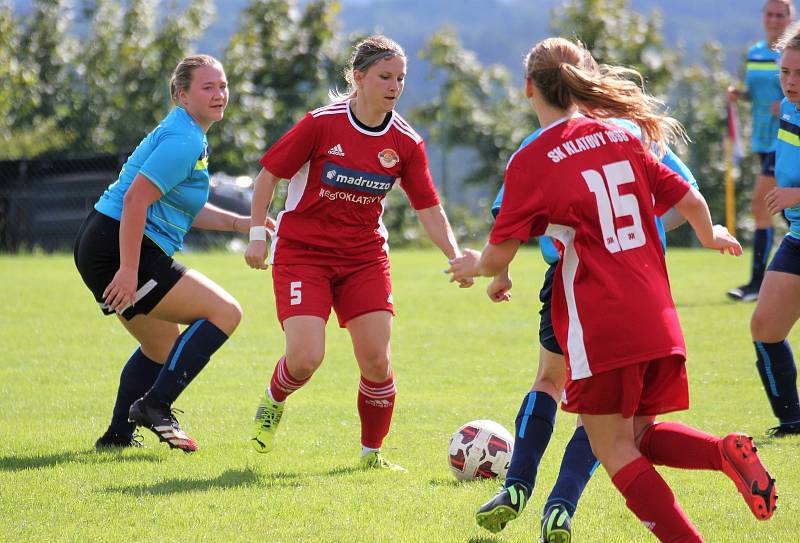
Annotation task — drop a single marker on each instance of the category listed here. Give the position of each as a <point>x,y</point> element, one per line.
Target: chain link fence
<point>43,201</point>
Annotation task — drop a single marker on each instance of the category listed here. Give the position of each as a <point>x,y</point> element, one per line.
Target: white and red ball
<point>480,449</point>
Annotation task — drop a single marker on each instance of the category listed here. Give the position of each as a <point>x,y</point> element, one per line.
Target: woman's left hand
<point>779,199</point>
<point>464,267</point>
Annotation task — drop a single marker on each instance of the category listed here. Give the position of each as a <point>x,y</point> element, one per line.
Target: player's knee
<point>375,366</point>
<point>761,328</point>
<point>304,361</point>
<point>227,316</point>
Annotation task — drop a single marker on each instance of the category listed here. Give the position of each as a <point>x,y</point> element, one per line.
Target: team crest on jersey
<point>388,158</point>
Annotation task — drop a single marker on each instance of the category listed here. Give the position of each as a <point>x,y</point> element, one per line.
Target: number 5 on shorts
<point>295,296</point>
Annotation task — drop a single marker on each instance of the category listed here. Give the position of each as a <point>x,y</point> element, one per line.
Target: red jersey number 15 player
<point>595,189</point>
<point>330,245</point>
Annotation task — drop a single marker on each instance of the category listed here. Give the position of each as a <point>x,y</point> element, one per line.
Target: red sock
<point>679,446</point>
<point>282,383</point>
<point>375,406</point>
<point>649,497</point>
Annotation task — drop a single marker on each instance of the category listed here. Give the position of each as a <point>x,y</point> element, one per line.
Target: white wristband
<point>258,233</point>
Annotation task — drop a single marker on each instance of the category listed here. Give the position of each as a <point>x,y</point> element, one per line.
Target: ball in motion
<point>480,449</point>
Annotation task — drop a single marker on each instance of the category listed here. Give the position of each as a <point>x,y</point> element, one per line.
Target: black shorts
<point>787,257</point>
<point>547,337</point>
<point>97,260</point>
<point>767,164</point>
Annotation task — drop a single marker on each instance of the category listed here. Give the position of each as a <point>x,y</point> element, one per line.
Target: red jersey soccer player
<point>595,189</point>
<point>330,245</point>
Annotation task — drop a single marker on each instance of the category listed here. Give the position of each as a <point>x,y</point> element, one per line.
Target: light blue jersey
<point>174,157</point>
<point>670,159</point>
<point>764,87</point>
<point>787,159</point>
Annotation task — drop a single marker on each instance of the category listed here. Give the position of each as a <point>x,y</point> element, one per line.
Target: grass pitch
<point>457,357</point>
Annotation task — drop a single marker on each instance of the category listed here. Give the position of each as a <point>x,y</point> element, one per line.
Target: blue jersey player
<point>124,255</point>
<point>777,308</point>
<point>763,90</point>
<point>534,424</point>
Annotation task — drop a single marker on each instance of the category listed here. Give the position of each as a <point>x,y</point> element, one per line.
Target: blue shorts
<point>787,257</point>
<point>547,337</point>
<point>767,164</point>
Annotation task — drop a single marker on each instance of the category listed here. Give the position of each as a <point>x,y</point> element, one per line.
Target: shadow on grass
<point>483,539</point>
<point>344,470</point>
<point>449,481</point>
<point>232,478</point>
<point>42,461</point>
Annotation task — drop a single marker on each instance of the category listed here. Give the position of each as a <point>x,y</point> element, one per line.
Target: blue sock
<point>762,244</point>
<point>188,357</point>
<point>577,468</point>
<point>779,375</point>
<point>137,376</point>
<point>534,426</point>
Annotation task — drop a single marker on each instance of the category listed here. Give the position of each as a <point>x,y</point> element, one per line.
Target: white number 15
<point>611,204</point>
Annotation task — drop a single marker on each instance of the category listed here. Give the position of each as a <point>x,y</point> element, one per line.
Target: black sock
<point>779,375</point>
<point>534,427</point>
<point>762,245</point>
<point>137,376</point>
<point>577,468</point>
<point>188,357</point>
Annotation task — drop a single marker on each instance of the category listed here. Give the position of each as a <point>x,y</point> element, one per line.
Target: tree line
<point>102,88</point>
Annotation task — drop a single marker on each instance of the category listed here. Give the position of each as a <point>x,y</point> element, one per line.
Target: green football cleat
<point>265,424</point>
<point>505,506</point>
<point>556,525</point>
<point>375,460</point>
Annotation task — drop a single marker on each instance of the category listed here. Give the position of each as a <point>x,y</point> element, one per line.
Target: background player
<point>536,417</point>
<point>624,347</point>
<point>778,306</point>
<point>124,255</point>
<point>330,248</point>
<point>763,90</point>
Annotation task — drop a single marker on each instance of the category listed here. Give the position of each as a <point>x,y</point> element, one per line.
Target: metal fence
<point>44,200</point>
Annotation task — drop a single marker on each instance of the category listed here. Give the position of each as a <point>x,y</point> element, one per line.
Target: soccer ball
<point>480,449</point>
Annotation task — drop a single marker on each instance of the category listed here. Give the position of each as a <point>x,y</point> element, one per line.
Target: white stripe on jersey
<point>402,125</point>
<point>297,186</point>
<point>336,107</point>
<point>578,360</point>
<point>382,230</point>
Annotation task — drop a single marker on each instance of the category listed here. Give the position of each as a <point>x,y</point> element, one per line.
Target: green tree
<point>478,108</point>
<point>616,34</point>
<point>280,64</point>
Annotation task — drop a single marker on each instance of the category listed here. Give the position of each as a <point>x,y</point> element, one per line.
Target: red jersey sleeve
<point>287,155</point>
<point>417,180</point>
<point>666,186</point>
<point>524,213</point>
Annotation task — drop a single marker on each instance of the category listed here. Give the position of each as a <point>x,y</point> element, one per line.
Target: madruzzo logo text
<point>339,177</point>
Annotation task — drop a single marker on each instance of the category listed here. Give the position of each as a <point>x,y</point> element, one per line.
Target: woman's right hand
<point>256,255</point>
<point>498,288</point>
<point>121,291</point>
<point>724,242</point>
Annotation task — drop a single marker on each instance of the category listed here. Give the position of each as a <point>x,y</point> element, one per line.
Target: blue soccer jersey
<point>764,88</point>
<point>670,159</point>
<point>787,159</point>
<point>174,157</point>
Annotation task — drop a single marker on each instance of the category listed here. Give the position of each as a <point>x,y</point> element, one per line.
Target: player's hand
<point>775,108</point>
<point>779,199</point>
<point>733,94</point>
<point>121,291</point>
<point>270,225</point>
<point>464,267</point>
<point>498,289</point>
<point>256,255</point>
<point>724,242</point>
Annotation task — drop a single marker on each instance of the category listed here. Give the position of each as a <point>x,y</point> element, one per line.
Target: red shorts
<point>649,388</point>
<point>351,290</point>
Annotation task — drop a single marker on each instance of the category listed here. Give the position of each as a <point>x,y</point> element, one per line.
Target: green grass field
<point>457,357</point>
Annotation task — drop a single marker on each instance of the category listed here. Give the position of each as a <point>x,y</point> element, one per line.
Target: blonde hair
<point>790,39</point>
<point>788,3</point>
<point>566,74</point>
<point>182,75</point>
<point>366,53</point>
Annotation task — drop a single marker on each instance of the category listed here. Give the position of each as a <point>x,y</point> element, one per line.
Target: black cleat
<point>505,506</point>
<point>784,430</point>
<point>745,293</point>
<point>111,440</point>
<point>556,525</point>
<point>160,419</point>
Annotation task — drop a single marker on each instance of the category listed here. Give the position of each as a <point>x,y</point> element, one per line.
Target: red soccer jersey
<point>595,189</point>
<point>339,174</point>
